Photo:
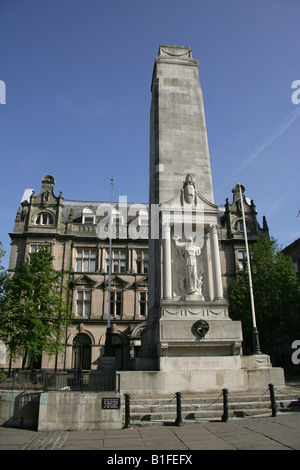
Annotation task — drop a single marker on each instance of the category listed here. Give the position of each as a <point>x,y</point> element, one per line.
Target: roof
<point>97,207</point>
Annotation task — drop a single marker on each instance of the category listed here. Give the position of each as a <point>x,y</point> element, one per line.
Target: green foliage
<point>33,314</point>
<point>2,377</point>
<point>3,277</point>
<point>2,253</point>
<point>276,295</point>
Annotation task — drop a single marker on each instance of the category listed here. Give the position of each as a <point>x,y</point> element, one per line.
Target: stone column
<point>218,288</point>
<point>129,260</point>
<point>99,252</point>
<point>210,276</point>
<point>167,276</point>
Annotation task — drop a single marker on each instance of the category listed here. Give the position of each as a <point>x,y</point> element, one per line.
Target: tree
<point>34,312</point>
<point>276,294</point>
<point>3,277</point>
<point>2,253</point>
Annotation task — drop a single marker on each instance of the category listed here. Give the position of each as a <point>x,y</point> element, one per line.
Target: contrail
<point>276,204</point>
<point>285,124</point>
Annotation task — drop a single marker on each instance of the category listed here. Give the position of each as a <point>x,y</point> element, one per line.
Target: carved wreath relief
<point>201,327</point>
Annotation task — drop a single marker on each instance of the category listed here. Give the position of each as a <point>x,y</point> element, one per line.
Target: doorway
<point>81,358</point>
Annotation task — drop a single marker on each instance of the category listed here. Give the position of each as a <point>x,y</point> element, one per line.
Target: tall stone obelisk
<point>187,314</point>
<point>178,138</point>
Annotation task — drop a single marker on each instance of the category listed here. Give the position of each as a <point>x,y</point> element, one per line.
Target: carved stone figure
<point>189,253</point>
<point>189,189</point>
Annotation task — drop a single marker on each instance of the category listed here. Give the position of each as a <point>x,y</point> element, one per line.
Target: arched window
<point>44,218</point>
<point>239,226</point>
<point>81,357</point>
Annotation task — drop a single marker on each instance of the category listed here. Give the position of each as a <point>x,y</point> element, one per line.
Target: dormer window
<point>143,217</point>
<point>117,218</point>
<point>88,217</point>
<point>44,219</point>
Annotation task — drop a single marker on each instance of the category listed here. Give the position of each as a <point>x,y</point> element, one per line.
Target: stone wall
<point>53,411</point>
<point>78,411</point>
<point>19,409</point>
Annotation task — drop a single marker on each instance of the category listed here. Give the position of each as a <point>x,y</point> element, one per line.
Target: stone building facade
<point>231,233</point>
<point>78,233</point>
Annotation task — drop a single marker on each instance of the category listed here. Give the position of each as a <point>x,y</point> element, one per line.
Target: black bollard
<point>273,401</point>
<point>178,421</point>
<point>225,405</point>
<point>127,410</point>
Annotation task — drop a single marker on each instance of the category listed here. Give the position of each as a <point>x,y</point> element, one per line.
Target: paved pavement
<point>255,433</point>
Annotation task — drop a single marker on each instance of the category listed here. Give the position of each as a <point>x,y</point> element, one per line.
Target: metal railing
<point>45,380</point>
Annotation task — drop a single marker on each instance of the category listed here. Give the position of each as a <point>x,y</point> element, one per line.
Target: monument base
<point>196,348</point>
<point>107,364</point>
<point>236,373</point>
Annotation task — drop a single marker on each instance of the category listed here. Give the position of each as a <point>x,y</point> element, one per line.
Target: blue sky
<point>78,75</point>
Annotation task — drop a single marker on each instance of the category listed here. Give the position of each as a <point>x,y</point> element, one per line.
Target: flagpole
<point>110,242</point>
<point>108,343</point>
<point>256,346</point>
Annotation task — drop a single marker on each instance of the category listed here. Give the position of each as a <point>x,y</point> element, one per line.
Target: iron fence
<point>45,380</point>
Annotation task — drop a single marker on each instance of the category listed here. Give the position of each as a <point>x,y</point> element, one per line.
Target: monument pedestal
<point>206,380</point>
<point>195,369</point>
<point>196,348</point>
<point>188,331</point>
<point>107,364</point>
<point>104,378</point>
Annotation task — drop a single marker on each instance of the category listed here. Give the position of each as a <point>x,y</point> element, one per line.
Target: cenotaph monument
<point>190,343</point>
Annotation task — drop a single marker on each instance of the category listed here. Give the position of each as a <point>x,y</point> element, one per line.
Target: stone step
<point>207,400</point>
<point>170,418</point>
<point>186,405</point>
<point>147,411</point>
<point>139,413</point>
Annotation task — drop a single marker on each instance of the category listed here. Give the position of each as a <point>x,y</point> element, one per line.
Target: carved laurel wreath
<point>201,327</point>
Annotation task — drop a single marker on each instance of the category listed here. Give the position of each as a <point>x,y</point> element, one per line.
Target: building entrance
<point>81,359</point>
